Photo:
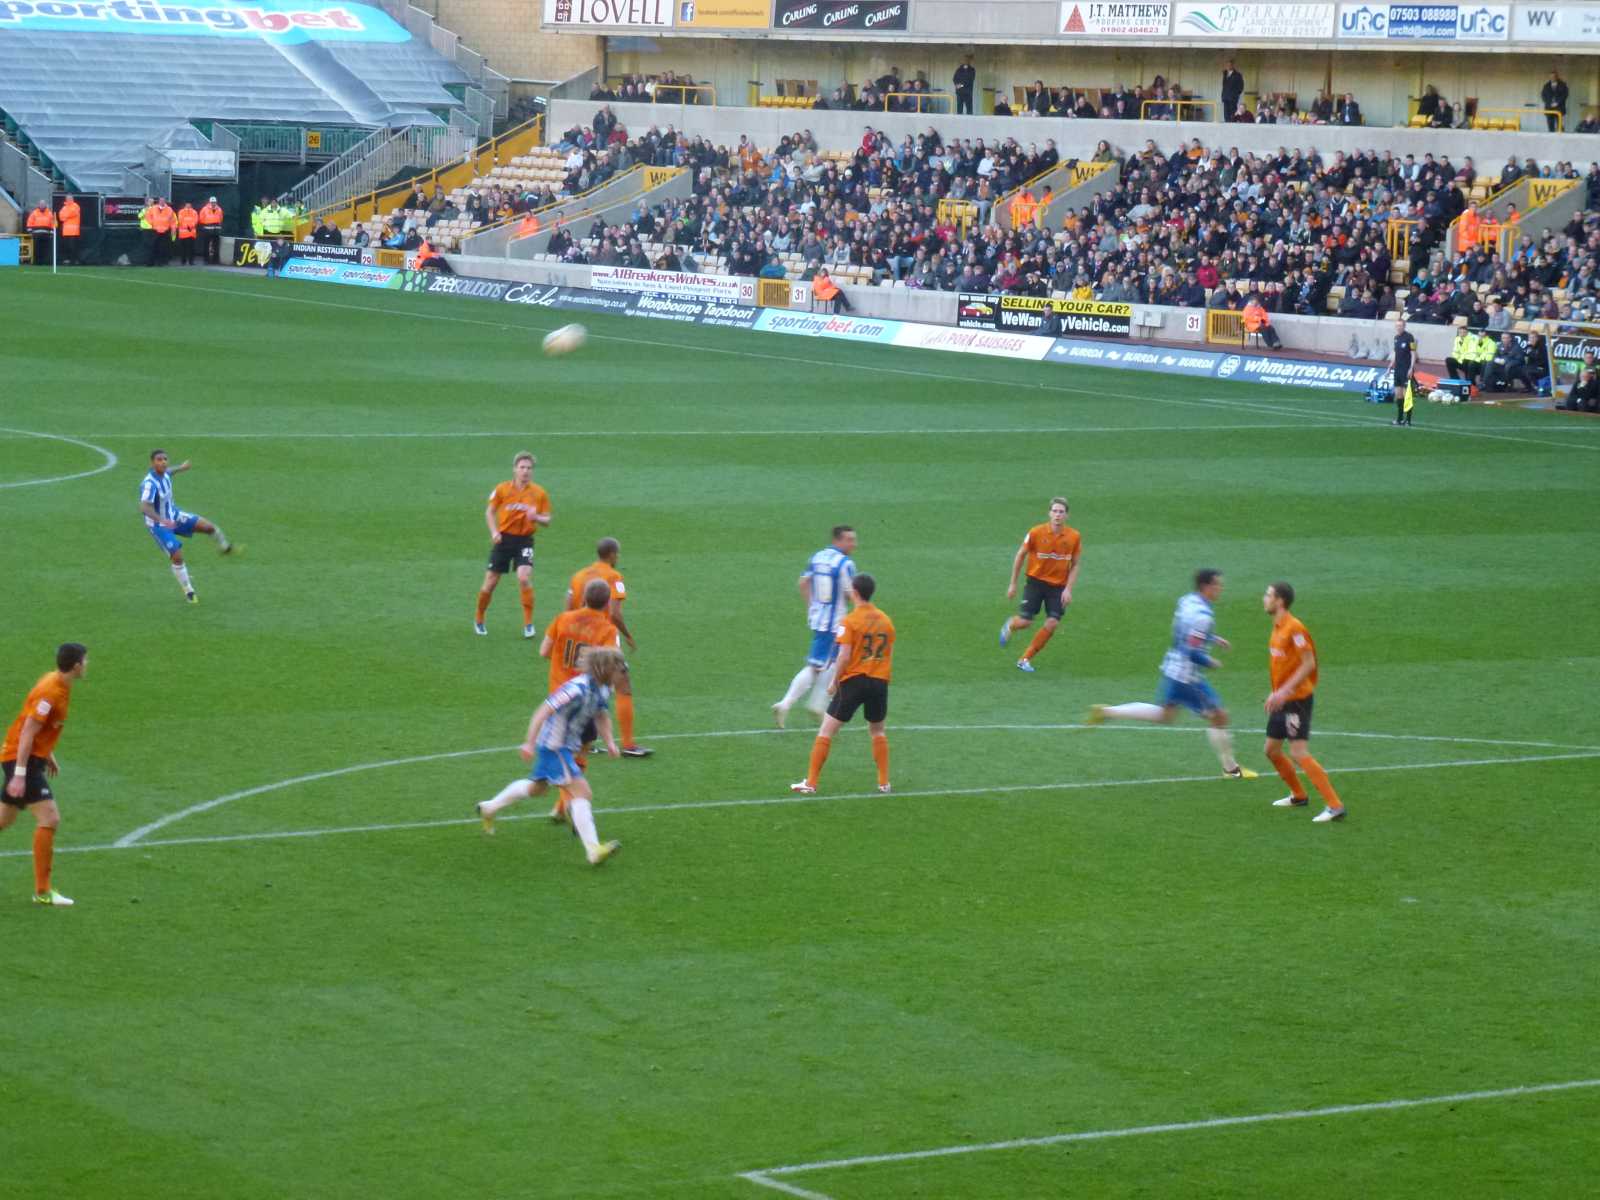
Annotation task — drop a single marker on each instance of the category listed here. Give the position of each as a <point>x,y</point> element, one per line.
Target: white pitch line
<point>1061,389</point>
<point>1071,785</point>
<point>709,433</point>
<point>108,464</point>
<point>763,1177</point>
<point>140,833</point>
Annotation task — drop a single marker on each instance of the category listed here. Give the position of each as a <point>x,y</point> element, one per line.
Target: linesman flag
<point>1411,396</point>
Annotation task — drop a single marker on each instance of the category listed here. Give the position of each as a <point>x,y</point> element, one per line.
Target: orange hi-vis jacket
<point>211,218</point>
<point>824,288</point>
<point>162,218</point>
<point>71,218</point>
<point>188,221</point>
<point>41,218</point>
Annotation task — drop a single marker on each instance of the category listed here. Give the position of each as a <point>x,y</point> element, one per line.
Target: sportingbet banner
<point>857,16</point>
<point>1425,22</point>
<point>1043,316</point>
<point>1085,19</point>
<point>678,284</point>
<point>283,22</point>
<point>342,272</point>
<point>1255,22</point>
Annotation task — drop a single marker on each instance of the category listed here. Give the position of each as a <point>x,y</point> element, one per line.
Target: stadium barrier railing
<point>385,200</point>
<point>1398,236</point>
<point>947,98</point>
<point>1177,106</point>
<point>683,90</point>
<point>1510,119</point>
<point>1225,326</point>
<point>960,213</point>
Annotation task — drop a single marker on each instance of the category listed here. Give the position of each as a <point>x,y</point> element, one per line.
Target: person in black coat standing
<point>1232,89</point>
<point>966,75</point>
<point>1554,96</point>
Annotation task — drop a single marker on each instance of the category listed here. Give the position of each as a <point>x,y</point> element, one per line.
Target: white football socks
<point>818,700</point>
<point>182,572</point>
<point>507,796</point>
<point>1222,742</point>
<point>798,686</point>
<point>583,822</point>
<point>1133,712</point>
<point>222,539</point>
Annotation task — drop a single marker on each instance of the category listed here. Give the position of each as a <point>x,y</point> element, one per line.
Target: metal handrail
<point>377,196</point>
<point>1519,113</point>
<point>919,97</point>
<point>681,88</point>
<point>1175,104</point>
<point>331,170</point>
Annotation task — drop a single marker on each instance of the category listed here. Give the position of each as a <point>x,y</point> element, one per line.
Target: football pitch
<point>1056,961</point>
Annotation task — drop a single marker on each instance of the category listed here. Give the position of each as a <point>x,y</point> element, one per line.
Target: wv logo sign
<point>1541,18</point>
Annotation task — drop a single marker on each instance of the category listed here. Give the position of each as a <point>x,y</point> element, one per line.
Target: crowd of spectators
<point>1195,228</point>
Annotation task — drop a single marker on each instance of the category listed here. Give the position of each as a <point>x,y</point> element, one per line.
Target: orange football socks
<point>1320,781</point>
<point>819,755</point>
<point>527,606</point>
<point>880,755</point>
<point>44,853</point>
<point>1039,639</point>
<point>1285,768</point>
<point>483,605</point>
<point>625,718</point>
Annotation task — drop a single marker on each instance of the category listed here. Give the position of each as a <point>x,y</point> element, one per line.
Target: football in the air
<point>565,340</point>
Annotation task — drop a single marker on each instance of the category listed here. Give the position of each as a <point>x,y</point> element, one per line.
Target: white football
<point>565,340</point>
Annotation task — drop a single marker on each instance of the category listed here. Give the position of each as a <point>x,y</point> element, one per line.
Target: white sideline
<point>764,1177</point>
<point>1299,409</point>
<point>140,833</point>
<point>108,464</point>
<point>130,842</point>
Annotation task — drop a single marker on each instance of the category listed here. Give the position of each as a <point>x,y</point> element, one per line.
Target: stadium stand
<point>90,101</point>
<point>1196,228</point>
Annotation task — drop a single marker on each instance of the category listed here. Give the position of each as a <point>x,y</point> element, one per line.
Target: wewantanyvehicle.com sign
<point>1557,23</point>
<point>856,16</point>
<point>673,283</point>
<point>1255,22</point>
<point>1043,315</point>
<point>1425,22</point>
<point>283,22</point>
<point>1084,18</point>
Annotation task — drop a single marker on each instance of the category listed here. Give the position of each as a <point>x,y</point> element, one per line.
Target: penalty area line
<point>1073,785</point>
<point>765,1176</point>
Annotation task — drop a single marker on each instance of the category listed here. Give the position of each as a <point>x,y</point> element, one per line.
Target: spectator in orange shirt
<point>28,760</point>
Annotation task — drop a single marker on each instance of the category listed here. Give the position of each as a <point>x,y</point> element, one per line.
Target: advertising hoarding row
<point>654,16</point>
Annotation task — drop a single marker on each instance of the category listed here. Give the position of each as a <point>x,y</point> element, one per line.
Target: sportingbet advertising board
<point>283,22</point>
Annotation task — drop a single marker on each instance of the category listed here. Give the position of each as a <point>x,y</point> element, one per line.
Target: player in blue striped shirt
<point>1183,681</point>
<point>826,589</point>
<point>570,717</point>
<point>167,522</point>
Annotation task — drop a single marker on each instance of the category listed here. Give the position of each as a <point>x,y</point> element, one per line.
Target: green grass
<point>1021,942</point>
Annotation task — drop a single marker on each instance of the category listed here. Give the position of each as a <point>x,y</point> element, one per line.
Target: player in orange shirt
<point>28,759</point>
<point>1293,667</point>
<point>516,509</point>
<point>866,648</point>
<point>569,635</point>
<point>1052,551</point>
<point>604,568</point>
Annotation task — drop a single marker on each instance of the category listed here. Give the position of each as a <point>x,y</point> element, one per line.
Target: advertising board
<point>1425,22</point>
<point>673,283</point>
<point>1092,18</point>
<point>1043,315</point>
<point>1255,22</point>
<point>723,14</point>
<point>282,22</point>
<point>857,16</point>
<point>1557,23</point>
<point>638,15</point>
